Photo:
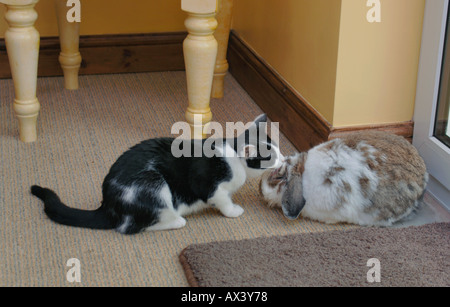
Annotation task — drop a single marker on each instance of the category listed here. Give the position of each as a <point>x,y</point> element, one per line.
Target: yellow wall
<point>377,63</point>
<point>113,17</point>
<point>353,72</point>
<point>299,39</point>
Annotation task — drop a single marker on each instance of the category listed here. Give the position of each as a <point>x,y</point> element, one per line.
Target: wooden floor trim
<point>108,54</point>
<point>405,129</point>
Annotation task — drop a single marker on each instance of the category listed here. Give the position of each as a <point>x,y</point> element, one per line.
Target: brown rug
<point>413,256</point>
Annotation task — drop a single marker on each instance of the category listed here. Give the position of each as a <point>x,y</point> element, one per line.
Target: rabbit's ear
<point>292,201</point>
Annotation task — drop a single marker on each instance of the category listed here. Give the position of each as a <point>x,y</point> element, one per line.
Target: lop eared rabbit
<point>366,178</point>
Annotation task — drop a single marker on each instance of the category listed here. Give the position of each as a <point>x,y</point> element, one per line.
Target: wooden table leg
<point>22,44</point>
<point>222,35</point>
<point>69,37</point>
<point>200,52</point>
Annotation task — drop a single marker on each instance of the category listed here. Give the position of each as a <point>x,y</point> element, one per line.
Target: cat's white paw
<point>232,211</point>
<point>176,223</point>
<point>179,223</point>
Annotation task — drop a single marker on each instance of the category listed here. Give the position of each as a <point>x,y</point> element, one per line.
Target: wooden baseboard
<point>405,129</point>
<point>299,121</point>
<point>107,54</point>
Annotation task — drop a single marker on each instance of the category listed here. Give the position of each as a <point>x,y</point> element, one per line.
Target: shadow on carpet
<point>412,256</point>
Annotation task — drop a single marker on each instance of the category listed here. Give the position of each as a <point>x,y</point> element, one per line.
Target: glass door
<point>431,117</point>
<point>442,125</point>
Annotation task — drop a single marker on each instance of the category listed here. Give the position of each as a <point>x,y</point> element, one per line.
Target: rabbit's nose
<point>274,174</point>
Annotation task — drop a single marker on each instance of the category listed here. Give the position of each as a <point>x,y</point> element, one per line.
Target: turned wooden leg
<point>200,51</point>
<point>69,38</point>
<point>22,44</point>
<point>222,35</point>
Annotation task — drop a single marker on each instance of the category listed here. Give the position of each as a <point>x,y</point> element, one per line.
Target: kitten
<point>148,188</point>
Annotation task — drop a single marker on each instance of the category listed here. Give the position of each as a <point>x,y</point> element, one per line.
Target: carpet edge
<point>189,273</point>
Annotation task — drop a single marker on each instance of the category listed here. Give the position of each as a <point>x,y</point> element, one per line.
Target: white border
<point>435,154</point>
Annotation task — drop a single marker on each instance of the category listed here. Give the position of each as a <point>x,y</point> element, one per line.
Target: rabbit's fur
<point>366,178</point>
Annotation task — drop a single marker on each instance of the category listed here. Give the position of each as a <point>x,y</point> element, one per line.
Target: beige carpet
<point>81,133</point>
<point>408,257</point>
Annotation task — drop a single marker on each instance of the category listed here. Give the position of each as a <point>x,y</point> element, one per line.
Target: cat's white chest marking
<point>237,171</point>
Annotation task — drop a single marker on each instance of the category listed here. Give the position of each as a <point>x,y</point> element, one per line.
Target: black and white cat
<point>148,188</point>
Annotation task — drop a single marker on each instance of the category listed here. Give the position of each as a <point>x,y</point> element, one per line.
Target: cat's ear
<point>260,119</point>
<point>248,151</point>
<point>293,201</point>
<point>255,126</point>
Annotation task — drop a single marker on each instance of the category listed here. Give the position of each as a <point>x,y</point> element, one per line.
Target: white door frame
<point>435,153</point>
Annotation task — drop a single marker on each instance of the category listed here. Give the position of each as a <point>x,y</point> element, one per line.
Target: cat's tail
<point>60,213</point>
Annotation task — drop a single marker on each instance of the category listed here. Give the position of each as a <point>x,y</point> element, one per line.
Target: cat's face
<point>257,164</point>
<point>259,152</point>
